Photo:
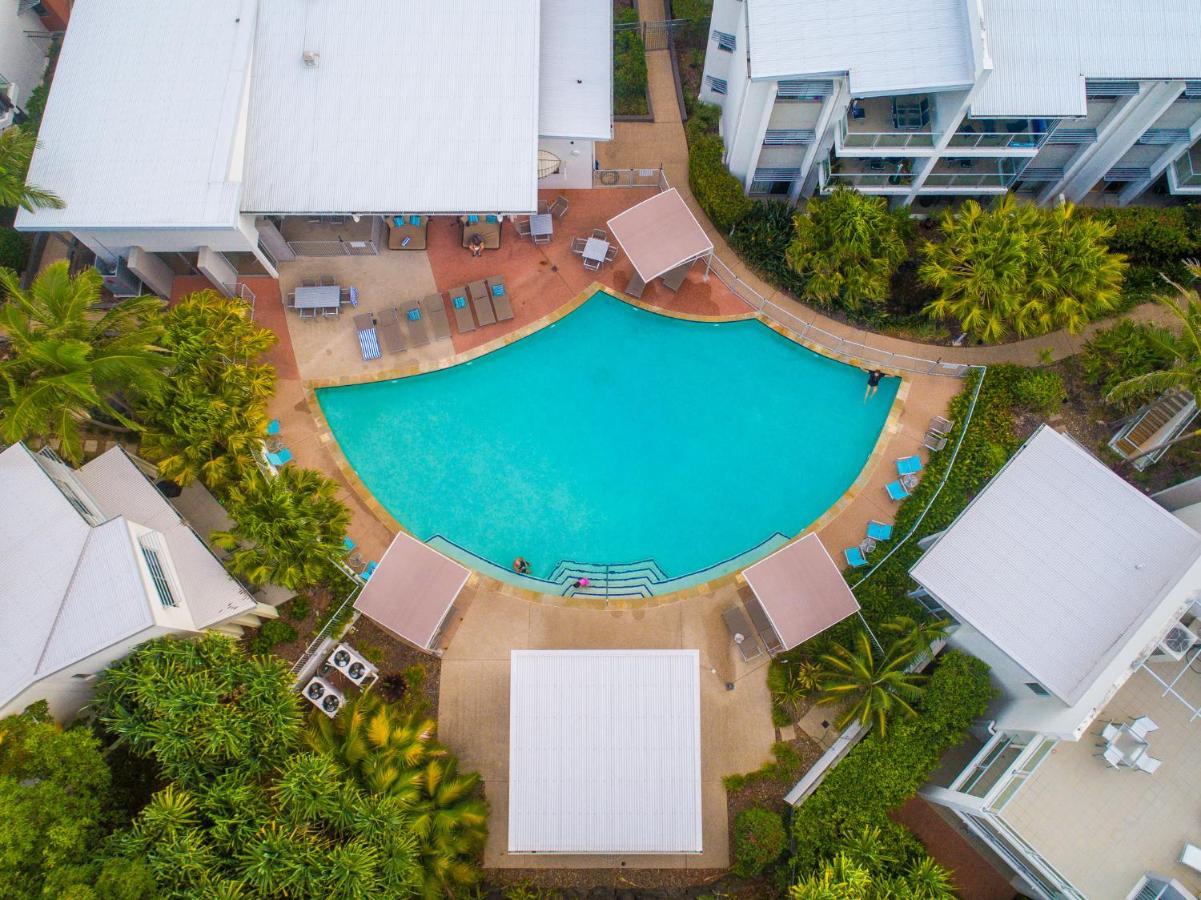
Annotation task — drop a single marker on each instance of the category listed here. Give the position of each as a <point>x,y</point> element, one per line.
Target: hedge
<point>629,68</point>
<point>1156,241</point>
<point>761,238</point>
<point>759,839</point>
<point>880,774</point>
<point>717,191</point>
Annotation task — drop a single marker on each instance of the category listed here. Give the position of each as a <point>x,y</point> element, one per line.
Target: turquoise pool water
<point>613,436</point>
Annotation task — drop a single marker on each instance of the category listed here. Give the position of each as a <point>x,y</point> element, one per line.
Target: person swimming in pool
<point>874,378</point>
<point>521,566</point>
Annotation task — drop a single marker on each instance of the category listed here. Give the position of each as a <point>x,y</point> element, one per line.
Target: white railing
<point>241,289</point>
<point>324,634</point>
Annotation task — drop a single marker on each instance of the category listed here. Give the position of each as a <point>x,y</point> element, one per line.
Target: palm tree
<point>917,635</point>
<point>16,150</point>
<point>877,687</point>
<point>1184,349</point>
<point>287,529</point>
<point>71,359</point>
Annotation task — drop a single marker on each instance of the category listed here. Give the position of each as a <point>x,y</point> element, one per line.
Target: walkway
<point>642,144</point>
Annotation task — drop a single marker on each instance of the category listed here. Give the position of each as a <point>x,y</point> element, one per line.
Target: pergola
<point>798,592</point>
<point>662,239</point>
<point>412,591</point>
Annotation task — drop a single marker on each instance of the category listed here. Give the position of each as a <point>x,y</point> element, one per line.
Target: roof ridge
<point>62,601</point>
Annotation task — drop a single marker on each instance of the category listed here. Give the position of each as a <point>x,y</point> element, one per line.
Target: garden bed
<point>631,94</point>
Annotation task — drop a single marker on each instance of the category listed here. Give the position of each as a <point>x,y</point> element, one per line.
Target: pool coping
<point>325,435</point>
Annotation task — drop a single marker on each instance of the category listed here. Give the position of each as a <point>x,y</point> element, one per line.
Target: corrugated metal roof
<point>884,47</point>
<point>1057,562</point>
<point>604,751</point>
<point>210,593</point>
<point>1043,51</point>
<point>140,128</point>
<point>659,234</point>
<point>421,106</point>
<point>575,86</point>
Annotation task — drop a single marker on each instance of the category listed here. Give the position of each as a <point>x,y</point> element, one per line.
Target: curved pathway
<point>639,144</point>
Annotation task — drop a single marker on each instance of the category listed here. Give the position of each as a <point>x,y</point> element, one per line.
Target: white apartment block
<point>921,101</point>
<point>1084,597</point>
<point>93,562</point>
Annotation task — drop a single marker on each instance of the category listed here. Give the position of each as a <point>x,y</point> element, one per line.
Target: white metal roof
<point>141,126</point>
<point>1043,50</point>
<point>210,593</point>
<point>885,47</point>
<point>422,106</point>
<point>576,79</point>
<point>1057,562</point>
<point>66,589</point>
<point>604,751</point>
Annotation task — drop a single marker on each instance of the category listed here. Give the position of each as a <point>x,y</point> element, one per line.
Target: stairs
<point>636,579</point>
<point>1156,424</point>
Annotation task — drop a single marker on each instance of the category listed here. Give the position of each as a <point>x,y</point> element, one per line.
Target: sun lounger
<point>435,311</point>
<point>280,458</point>
<point>879,531</point>
<point>364,324</point>
<point>909,465</point>
<point>484,313</point>
<point>500,297</point>
<point>462,309</point>
<point>636,286</point>
<point>388,329</point>
<point>896,490</point>
<point>415,323</point>
<point>673,279</point>
<point>854,557</point>
<point>741,634</point>
<point>273,427</point>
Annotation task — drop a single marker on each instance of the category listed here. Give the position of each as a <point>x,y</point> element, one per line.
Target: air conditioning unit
<point>311,58</point>
<point>324,696</point>
<point>1177,642</point>
<point>351,664</point>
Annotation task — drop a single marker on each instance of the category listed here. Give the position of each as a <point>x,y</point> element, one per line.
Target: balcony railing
<point>886,140</point>
<point>889,178</point>
<point>1188,169</point>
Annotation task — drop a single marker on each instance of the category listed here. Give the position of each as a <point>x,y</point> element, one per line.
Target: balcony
<point>1002,134</point>
<point>883,175</point>
<point>973,174</point>
<point>885,123</point>
<point>1184,175</point>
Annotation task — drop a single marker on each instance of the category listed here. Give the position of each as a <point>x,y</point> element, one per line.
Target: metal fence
<point>334,248</point>
<point>647,178</point>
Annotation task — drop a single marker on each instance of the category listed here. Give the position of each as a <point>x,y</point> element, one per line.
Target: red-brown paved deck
<point>975,878</point>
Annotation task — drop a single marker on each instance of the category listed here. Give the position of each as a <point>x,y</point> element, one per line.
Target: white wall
<point>727,15</point>
<point>109,243</point>
<point>22,59</point>
<point>577,156</point>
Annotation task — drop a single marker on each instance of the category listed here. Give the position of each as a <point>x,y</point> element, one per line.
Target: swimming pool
<point>614,436</point>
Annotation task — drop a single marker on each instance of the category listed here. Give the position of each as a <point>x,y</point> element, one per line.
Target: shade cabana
<point>798,592</point>
<point>412,591</point>
<point>662,239</point>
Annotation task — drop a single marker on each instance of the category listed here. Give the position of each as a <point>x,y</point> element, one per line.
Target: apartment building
<point>93,562</point>
<point>946,98</point>
<point>1084,597</point>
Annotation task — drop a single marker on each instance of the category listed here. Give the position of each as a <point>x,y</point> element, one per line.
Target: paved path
<point>662,142</point>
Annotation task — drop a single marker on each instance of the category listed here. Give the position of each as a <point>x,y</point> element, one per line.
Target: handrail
<point>309,651</point>
<point>242,289</point>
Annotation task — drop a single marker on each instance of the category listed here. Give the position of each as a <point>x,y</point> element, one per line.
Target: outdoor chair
<point>327,281</point>
<point>1109,732</point>
<point>310,313</point>
<point>939,425</point>
<point>291,299</point>
<point>308,282</point>
<point>1191,856</point>
<point>543,207</point>
<point>879,531</point>
<point>592,265</point>
<point>600,234</point>
<point>896,491</point>
<point>611,254</point>
<point>934,441</point>
<point>578,244</point>
<point>854,557</point>
<point>909,465</point>
<point>1113,756</point>
<point>543,238</point>
<point>523,227</point>
<point>1143,726</point>
<point>330,312</point>
<point>1147,764</point>
<point>558,209</point>
<point>273,427</point>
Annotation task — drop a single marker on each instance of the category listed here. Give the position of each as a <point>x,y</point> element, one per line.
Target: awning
<point>660,234</point>
<point>412,591</point>
<point>801,590</point>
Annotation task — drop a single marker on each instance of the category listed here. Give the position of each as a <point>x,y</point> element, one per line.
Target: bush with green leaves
<point>270,634</point>
<point>759,839</point>
<point>761,240</point>
<point>1125,351</point>
<point>846,248</point>
<point>880,862</point>
<point>691,9</point>
<point>14,251</point>
<point>718,192</point>
<point>1040,391</point>
<point>629,67</point>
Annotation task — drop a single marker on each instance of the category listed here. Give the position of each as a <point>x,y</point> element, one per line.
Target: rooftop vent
<point>312,59</point>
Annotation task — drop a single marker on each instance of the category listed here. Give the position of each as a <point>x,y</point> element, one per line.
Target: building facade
<point>955,98</point>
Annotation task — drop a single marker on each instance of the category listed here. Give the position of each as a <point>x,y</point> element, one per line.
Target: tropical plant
<point>287,529</point>
<point>1018,268</point>
<point>916,634</point>
<point>211,419</point>
<point>629,66</point>
<point>392,754</point>
<point>875,685</point>
<point>1123,351</point>
<point>846,247</point>
<point>1040,391</point>
<point>201,708</point>
<point>759,839</point>
<point>847,878</point>
<point>718,192</point>
<point>16,150</point>
<point>71,359</point>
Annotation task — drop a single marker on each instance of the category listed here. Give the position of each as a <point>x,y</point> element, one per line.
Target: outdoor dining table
<point>1128,745</point>
<point>542,225</point>
<point>595,250</point>
<point>320,297</point>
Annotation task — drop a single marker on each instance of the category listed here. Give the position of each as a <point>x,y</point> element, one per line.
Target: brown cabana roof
<point>801,590</point>
<point>412,590</point>
<point>660,234</point>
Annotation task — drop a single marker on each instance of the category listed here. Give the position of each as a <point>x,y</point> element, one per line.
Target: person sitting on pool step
<point>521,566</point>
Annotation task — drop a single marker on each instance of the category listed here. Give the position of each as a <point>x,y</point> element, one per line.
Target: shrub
<point>271,633</point>
<point>1122,352</point>
<point>629,67</point>
<point>717,191</point>
<point>759,839</point>
<point>702,120</point>
<point>14,251</point>
<point>691,9</point>
<point>1151,235</point>
<point>1040,391</point>
<point>761,239</point>
<point>846,247</point>
<point>297,609</point>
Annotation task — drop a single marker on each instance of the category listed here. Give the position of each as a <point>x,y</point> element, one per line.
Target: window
<point>724,41</point>
<point>158,576</point>
<point>772,188</point>
<point>717,85</point>
<point>1038,689</point>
